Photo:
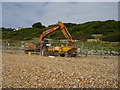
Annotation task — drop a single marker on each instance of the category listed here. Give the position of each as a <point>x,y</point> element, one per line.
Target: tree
<point>70,24</point>
<point>38,25</point>
<point>112,37</point>
<point>6,29</point>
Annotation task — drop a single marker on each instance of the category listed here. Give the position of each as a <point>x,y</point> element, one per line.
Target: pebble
<point>22,71</point>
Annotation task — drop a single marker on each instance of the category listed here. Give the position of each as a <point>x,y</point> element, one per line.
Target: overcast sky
<point>15,14</point>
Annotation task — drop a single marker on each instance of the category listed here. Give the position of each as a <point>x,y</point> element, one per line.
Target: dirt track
<point>23,71</point>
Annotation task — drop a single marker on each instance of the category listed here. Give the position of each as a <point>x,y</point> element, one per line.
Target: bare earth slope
<point>23,71</point>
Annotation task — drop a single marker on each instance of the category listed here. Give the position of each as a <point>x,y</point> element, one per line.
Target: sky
<point>24,14</point>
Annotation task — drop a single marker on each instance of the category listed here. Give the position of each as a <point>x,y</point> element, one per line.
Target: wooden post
<point>81,49</point>
<point>86,52</point>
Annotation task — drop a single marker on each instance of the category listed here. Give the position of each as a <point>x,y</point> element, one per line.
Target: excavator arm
<point>48,31</point>
<point>55,27</point>
<point>66,33</point>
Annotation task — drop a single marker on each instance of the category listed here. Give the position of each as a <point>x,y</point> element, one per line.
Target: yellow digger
<point>68,50</point>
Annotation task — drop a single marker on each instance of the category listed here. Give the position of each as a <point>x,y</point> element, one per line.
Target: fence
<point>13,49</point>
<point>82,49</point>
<point>95,51</point>
<point>18,47</point>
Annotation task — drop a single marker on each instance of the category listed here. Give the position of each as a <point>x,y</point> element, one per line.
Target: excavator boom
<point>45,33</point>
<point>55,27</point>
<point>66,33</point>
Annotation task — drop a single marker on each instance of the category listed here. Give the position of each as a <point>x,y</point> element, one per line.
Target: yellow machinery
<point>69,51</point>
<point>62,50</point>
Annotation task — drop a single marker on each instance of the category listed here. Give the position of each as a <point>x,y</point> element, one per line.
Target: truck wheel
<point>62,55</point>
<point>74,55</point>
<point>70,54</point>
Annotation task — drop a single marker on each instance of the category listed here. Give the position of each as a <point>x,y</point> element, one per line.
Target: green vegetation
<point>108,29</point>
<point>6,29</point>
<point>111,46</point>
<point>24,34</point>
<point>115,36</point>
<point>38,25</point>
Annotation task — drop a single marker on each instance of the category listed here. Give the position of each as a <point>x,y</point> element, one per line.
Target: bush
<point>38,25</point>
<point>112,37</point>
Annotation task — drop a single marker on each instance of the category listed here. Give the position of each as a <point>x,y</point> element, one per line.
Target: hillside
<point>109,30</point>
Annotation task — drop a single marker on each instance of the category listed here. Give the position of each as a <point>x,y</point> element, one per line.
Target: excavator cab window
<point>45,41</point>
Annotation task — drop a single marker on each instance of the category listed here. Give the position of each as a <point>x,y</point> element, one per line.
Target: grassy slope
<point>78,31</point>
